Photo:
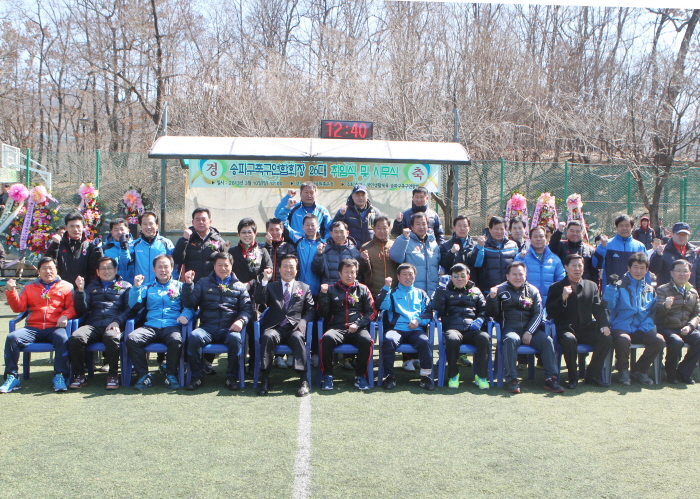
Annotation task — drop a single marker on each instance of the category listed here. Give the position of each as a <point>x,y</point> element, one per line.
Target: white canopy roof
<point>308,149</point>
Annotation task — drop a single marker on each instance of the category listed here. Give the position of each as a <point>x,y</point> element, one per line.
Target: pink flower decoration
<point>132,199</point>
<point>39,194</point>
<point>88,191</point>
<point>18,193</point>
<point>518,202</point>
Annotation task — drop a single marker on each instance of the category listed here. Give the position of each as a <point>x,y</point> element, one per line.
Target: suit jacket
<point>301,305</point>
<point>588,302</point>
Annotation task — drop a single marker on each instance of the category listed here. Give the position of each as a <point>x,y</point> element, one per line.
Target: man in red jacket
<point>50,304</point>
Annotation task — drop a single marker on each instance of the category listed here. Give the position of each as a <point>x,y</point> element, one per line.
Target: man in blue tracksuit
<point>165,316</point>
<point>117,247</point>
<point>418,247</point>
<point>631,306</point>
<point>307,248</point>
<point>543,267</point>
<point>408,314</point>
<point>292,213</point>
<point>612,255</point>
<point>150,245</point>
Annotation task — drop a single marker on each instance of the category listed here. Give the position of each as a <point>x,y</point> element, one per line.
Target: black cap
<point>681,227</point>
<point>360,188</point>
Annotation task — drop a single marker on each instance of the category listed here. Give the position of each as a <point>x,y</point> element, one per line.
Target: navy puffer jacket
<point>360,221</point>
<point>326,264</point>
<point>489,263</point>
<point>218,308</point>
<point>458,308</point>
<point>104,304</point>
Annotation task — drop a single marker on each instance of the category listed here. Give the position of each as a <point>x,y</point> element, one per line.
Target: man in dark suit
<point>290,307</point>
<point>575,307</point>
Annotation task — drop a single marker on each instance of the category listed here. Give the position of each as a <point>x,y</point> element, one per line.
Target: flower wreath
<point>90,209</point>
<point>33,231</point>
<point>545,212</point>
<point>134,205</point>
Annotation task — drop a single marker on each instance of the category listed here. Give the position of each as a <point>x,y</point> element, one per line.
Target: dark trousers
<point>283,335</point>
<point>138,340</point>
<point>674,344</point>
<point>87,335</point>
<point>569,338</point>
<point>653,344</point>
<point>201,337</point>
<point>17,340</point>
<point>480,339</point>
<point>334,337</point>
<point>416,338</point>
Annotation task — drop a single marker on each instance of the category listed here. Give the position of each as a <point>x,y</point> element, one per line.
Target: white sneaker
<point>290,360</point>
<point>314,360</point>
<point>409,366</point>
<point>279,362</point>
<point>416,363</point>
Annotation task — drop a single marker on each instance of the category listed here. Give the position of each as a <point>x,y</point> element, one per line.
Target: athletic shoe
<point>347,364</point>
<point>11,383</point>
<point>144,382</point>
<point>642,378</point>
<point>464,361</point>
<point>104,368</point>
<point>290,360</point>
<point>163,369</point>
<point>59,383</point>
<point>79,381</point>
<point>327,383</point>
<point>232,383</point>
<point>389,382</point>
<point>624,377</point>
<point>427,383</point>
<point>279,362</point>
<point>453,382</point>
<point>112,383</point>
<point>409,366</point>
<point>194,384</point>
<point>482,383</point>
<point>361,383</point>
<point>314,360</point>
<point>171,382</point>
<point>552,385</point>
<point>513,386</point>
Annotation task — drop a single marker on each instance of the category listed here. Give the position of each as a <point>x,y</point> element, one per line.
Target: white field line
<point>302,466</point>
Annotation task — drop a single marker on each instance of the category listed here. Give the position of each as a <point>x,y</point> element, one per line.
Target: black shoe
<point>232,383</point>
<point>688,380</point>
<point>194,384</point>
<point>552,385</point>
<point>513,386</point>
<point>208,370</point>
<point>572,384</point>
<point>596,382</point>
<point>264,387</point>
<point>427,383</point>
<point>389,382</point>
<point>303,390</point>
<point>672,380</point>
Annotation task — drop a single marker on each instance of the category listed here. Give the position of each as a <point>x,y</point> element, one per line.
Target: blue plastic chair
<point>402,348</point>
<point>94,348</point>
<point>280,350</point>
<point>658,361</point>
<point>34,347</point>
<point>214,349</point>
<point>463,350</point>
<point>127,365</point>
<point>346,349</point>
<point>522,350</point>
<point>581,348</point>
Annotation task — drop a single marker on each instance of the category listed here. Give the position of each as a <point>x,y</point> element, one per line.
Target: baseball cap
<point>681,227</point>
<point>360,188</point>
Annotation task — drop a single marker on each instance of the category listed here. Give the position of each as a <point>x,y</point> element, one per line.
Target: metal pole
<point>629,192</point>
<point>566,180</point>
<point>455,195</point>
<point>503,168</point>
<point>98,172</point>
<point>163,167</point>
<point>28,162</point>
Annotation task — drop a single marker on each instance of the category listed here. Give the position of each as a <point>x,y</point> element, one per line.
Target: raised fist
<point>138,280</point>
<point>11,284</point>
<point>187,233</point>
<point>388,281</point>
<point>407,233</point>
<point>321,247</point>
<point>189,277</point>
<point>668,302</point>
<point>80,282</point>
<point>481,241</point>
<point>267,274</point>
<point>343,209</point>
<point>455,248</point>
<point>613,279</point>
<point>523,253</point>
<point>56,238</point>
<point>604,240</point>
<point>567,292</point>
<point>562,226</point>
<point>493,292</point>
<point>268,239</point>
<point>365,255</point>
<point>291,193</point>
<point>324,288</point>
<point>227,246</point>
<point>399,217</point>
<point>290,203</point>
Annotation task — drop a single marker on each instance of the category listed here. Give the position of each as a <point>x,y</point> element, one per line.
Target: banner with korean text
<point>327,175</point>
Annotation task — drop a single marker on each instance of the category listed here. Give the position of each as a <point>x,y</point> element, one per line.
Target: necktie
<point>287,298</point>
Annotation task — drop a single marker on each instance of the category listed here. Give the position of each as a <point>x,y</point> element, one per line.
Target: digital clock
<point>333,129</point>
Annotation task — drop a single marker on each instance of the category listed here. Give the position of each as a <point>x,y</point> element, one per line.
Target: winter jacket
<point>424,255</point>
<point>277,250</point>
<point>360,221</point>
<point>306,250</point>
<point>434,223</point>
<point>460,309</point>
<point>195,253</point>
<point>248,265</point>
<point>294,219</point>
<point>104,303</point>
<point>43,312</point>
<point>518,310</point>
<point>613,257</point>
<point>588,304</point>
<point>120,252</point>
<point>380,265</point>
<point>343,305</point>
<point>631,305</point>
<point>220,304</point>
<point>542,273</point>
<point>685,310</point>
<point>142,252</point>
<point>490,262</point>
<point>448,259</point>
<point>404,304</point>
<point>326,264</point>
<point>565,248</point>
<point>75,258</point>
<point>661,265</point>
<point>163,303</point>
<point>644,236</point>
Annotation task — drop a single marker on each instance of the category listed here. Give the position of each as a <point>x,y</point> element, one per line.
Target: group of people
<point>347,270</point>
